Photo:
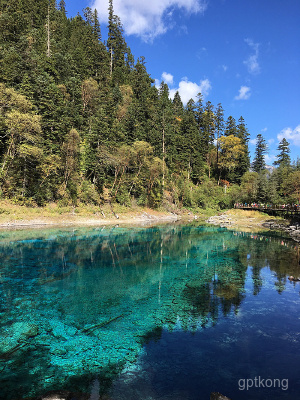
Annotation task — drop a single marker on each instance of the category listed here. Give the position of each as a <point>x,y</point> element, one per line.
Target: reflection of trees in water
<point>217,294</point>
<point>280,255</point>
<point>151,251</point>
<point>147,278</point>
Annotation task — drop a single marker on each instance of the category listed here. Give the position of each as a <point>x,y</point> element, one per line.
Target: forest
<point>81,121</point>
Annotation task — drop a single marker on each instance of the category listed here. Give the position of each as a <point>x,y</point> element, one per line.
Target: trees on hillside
<point>81,120</point>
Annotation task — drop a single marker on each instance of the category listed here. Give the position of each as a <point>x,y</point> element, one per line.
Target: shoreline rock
<point>224,221</point>
<point>293,230</point>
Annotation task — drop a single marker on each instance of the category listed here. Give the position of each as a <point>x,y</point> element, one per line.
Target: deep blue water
<point>171,312</point>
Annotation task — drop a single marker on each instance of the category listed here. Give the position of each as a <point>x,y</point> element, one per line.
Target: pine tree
<point>230,128</point>
<point>219,128</point>
<point>199,112</point>
<point>165,113</point>
<point>259,163</point>
<point>177,106</point>
<point>177,134</point>
<point>117,46</point>
<point>190,151</point>
<point>96,26</point>
<point>244,161</point>
<point>208,128</point>
<point>62,6</point>
<point>283,158</point>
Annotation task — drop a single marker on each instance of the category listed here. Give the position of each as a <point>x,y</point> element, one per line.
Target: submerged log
<point>8,353</point>
<point>101,324</point>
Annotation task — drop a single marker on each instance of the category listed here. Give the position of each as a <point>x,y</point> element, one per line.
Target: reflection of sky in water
<point>157,313</point>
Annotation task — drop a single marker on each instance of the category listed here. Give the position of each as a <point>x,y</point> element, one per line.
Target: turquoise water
<point>170,312</point>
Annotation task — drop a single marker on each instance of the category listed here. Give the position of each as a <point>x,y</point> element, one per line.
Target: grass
<point>14,212</point>
<point>251,214</point>
<point>54,213</point>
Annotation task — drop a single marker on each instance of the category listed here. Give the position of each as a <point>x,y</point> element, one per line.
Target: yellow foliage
<point>127,94</point>
<point>12,100</point>
<point>231,149</point>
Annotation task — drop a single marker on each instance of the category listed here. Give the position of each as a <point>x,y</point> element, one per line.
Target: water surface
<point>170,312</point>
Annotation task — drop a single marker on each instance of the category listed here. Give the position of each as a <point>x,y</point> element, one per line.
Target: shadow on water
<point>157,313</point>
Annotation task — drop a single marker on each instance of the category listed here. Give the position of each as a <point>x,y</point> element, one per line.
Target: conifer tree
<point>208,128</point>
<point>190,150</point>
<point>283,158</point>
<point>230,128</point>
<point>244,160</point>
<point>116,45</point>
<point>259,163</point>
<point>165,113</point>
<point>219,128</point>
<point>96,26</point>
<point>62,6</point>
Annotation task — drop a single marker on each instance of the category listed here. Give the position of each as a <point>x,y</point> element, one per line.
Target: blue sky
<point>244,54</point>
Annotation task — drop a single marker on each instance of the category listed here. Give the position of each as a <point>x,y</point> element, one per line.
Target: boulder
<point>218,396</point>
<point>14,337</point>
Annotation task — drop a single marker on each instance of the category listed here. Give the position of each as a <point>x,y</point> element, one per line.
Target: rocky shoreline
<point>225,221</point>
<point>293,230</point>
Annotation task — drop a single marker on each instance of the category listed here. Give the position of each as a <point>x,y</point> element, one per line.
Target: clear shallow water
<point>171,312</point>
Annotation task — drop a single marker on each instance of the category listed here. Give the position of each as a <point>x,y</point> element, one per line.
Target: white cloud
<point>253,141</point>
<point>148,19</point>
<point>291,135</point>
<point>157,83</point>
<point>252,61</point>
<point>264,129</point>
<point>269,159</point>
<point>167,78</point>
<point>189,90</point>
<point>271,141</point>
<point>244,93</point>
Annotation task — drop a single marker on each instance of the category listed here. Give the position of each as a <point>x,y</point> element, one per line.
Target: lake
<point>163,312</point>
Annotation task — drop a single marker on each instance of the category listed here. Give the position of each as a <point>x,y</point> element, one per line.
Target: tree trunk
<point>24,178</point>
<point>163,149</point>
<point>48,34</point>
<point>111,61</point>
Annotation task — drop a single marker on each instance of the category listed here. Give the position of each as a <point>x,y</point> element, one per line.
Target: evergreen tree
<point>259,163</point>
<point>177,106</point>
<point>244,160</point>
<point>199,112</point>
<point>177,133</point>
<point>283,158</point>
<point>139,122</point>
<point>62,6</point>
<point>219,124</point>
<point>96,26</point>
<point>117,47</point>
<point>283,169</point>
<point>230,128</point>
<point>189,147</point>
<point>208,128</point>
<point>165,117</point>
